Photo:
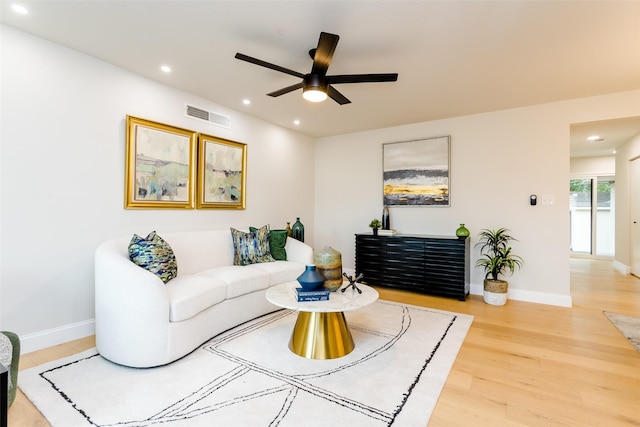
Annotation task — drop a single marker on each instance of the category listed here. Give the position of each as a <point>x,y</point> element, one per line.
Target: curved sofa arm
<point>132,307</point>
<point>298,251</point>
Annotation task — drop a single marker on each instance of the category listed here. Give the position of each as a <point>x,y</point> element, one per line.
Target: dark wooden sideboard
<point>436,265</point>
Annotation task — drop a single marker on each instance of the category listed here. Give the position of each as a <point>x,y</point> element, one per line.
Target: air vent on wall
<point>207,116</point>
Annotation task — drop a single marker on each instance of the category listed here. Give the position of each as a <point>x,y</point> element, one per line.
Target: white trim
<point>530,296</point>
<point>622,268</point>
<point>518,295</point>
<point>55,336</point>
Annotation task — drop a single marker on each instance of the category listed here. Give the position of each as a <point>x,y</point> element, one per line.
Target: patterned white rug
<point>629,326</point>
<point>249,377</point>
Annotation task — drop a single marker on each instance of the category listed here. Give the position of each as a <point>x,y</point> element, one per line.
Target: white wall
<point>62,179</point>
<point>592,166</point>
<point>624,155</point>
<point>498,160</point>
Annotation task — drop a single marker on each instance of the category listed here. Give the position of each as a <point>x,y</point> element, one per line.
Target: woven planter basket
<point>495,292</point>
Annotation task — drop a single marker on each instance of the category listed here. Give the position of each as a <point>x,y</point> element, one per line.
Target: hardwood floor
<point>520,365</point>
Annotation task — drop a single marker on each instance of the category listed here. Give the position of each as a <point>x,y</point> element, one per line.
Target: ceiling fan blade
<point>362,78</point>
<point>265,64</point>
<point>337,96</point>
<point>286,90</point>
<point>324,52</point>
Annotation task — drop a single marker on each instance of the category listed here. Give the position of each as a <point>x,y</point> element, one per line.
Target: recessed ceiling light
<point>595,138</point>
<point>18,8</point>
<point>296,122</point>
<point>165,68</point>
<point>246,101</point>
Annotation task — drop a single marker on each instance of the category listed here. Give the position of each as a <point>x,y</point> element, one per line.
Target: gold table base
<point>319,335</point>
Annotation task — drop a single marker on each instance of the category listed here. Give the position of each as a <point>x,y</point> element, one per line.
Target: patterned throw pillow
<point>252,247</point>
<point>153,253</point>
<point>277,241</point>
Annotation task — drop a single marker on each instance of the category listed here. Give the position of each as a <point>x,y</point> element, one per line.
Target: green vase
<point>298,230</point>
<point>462,232</point>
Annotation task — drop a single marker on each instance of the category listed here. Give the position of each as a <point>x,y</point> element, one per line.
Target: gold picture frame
<point>160,165</point>
<point>222,166</point>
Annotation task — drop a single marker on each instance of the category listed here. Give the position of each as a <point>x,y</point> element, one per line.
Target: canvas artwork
<point>160,165</point>
<point>416,173</point>
<point>221,173</point>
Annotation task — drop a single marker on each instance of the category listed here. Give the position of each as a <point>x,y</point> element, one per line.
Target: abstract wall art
<point>160,165</point>
<point>221,173</point>
<point>416,173</point>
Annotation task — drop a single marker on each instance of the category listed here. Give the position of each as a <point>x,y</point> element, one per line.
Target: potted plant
<point>496,259</point>
<point>375,224</point>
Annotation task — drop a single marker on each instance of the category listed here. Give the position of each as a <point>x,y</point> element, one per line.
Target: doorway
<point>635,216</point>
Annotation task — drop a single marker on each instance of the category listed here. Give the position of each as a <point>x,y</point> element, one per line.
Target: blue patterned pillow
<point>153,253</point>
<point>251,248</point>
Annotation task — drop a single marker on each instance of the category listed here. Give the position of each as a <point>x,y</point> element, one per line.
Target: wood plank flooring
<point>522,364</point>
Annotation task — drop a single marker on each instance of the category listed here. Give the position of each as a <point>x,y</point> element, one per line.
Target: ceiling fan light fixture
<point>314,88</point>
<point>314,94</point>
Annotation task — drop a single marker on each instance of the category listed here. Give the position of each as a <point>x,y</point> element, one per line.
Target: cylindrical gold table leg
<point>321,335</point>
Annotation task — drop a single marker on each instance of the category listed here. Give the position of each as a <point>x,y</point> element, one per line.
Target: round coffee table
<point>321,330</point>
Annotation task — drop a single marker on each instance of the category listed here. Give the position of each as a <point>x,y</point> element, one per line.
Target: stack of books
<point>391,232</point>
<point>321,294</point>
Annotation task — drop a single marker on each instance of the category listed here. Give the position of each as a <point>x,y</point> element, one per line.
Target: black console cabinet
<point>428,264</point>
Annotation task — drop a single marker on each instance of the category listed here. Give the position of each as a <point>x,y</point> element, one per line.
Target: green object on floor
<point>13,368</point>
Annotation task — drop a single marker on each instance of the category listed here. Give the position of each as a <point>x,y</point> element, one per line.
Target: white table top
<point>284,295</point>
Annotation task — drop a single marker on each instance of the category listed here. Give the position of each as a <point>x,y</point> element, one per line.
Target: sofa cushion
<point>240,280</point>
<point>189,295</point>
<point>281,271</point>
<point>153,254</point>
<point>252,247</point>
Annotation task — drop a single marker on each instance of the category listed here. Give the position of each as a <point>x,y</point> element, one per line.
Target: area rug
<point>248,377</point>
<point>629,326</point>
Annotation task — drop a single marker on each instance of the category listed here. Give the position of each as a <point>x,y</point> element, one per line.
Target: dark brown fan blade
<point>362,78</point>
<point>324,52</point>
<point>337,96</point>
<point>286,90</point>
<point>265,64</point>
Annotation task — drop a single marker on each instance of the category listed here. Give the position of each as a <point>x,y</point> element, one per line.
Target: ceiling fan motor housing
<point>314,81</point>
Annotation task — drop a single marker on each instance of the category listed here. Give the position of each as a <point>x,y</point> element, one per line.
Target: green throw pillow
<point>154,254</point>
<point>252,247</point>
<point>10,349</point>
<point>277,240</point>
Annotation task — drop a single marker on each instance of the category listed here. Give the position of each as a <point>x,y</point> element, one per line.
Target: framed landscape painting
<point>160,165</point>
<point>416,173</point>
<point>221,173</point>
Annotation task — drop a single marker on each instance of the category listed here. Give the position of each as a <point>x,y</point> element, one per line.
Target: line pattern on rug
<point>283,389</point>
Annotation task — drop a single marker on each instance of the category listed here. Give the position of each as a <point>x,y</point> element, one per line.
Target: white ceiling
<point>612,132</point>
<point>453,58</point>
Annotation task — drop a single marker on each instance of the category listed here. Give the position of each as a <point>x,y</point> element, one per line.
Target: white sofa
<point>142,322</point>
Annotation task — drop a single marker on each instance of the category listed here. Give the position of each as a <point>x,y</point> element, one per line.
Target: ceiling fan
<point>316,85</point>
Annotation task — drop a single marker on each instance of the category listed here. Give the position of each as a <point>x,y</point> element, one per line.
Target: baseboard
<point>55,336</point>
<point>622,268</point>
<point>519,295</point>
<point>530,296</point>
